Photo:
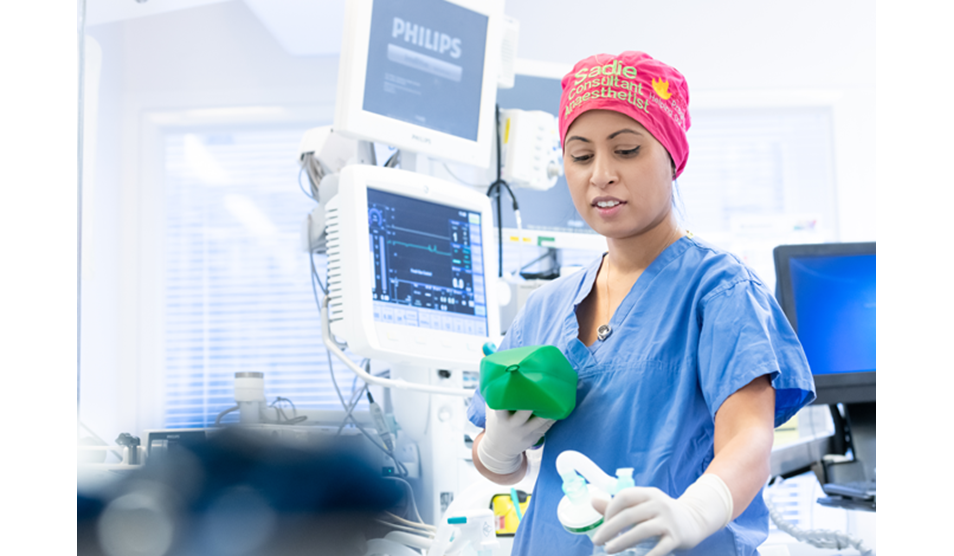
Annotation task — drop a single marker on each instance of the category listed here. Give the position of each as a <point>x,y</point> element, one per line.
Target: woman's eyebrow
<point>626,130</point>
<point>576,137</point>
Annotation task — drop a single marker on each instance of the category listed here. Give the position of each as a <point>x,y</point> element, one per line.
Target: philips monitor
<point>411,268</point>
<point>421,75</point>
<point>828,293</point>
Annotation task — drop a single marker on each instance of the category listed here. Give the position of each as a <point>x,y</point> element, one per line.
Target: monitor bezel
<point>367,337</point>
<point>353,121</point>
<point>829,388</point>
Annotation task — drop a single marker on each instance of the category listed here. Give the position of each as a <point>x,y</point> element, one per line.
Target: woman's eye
<point>628,152</point>
<point>581,158</point>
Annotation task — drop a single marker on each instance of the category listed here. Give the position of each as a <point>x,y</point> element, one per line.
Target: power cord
<point>402,470</point>
<point>349,415</point>
<point>315,174</point>
<point>394,160</point>
<point>355,399</point>
<point>314,193</point>
<point>223,413</point>
<point>280,413</point>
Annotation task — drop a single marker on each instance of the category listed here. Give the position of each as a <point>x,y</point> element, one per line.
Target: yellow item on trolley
<point>507,516</point>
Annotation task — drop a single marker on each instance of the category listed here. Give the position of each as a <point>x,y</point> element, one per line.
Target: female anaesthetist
<point>686,363</point>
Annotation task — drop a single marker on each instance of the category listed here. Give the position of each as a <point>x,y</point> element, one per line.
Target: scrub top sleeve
<point>476,411</point>
<point>745,335</point>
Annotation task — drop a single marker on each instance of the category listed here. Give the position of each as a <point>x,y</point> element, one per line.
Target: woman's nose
<point>604,172</point>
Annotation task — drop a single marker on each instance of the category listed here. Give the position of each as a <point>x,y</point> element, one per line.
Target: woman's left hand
<point>641,513</point>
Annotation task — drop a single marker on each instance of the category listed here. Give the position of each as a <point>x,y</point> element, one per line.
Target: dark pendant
<point>603,332</point>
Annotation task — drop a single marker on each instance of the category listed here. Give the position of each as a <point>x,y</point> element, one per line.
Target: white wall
<point>718,45</point>
<point>221,55</point>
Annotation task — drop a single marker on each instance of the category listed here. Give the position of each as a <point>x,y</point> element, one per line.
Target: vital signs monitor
<point>421,75</point>
<point>410,268</point>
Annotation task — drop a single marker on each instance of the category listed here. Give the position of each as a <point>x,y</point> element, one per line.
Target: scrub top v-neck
<point>632,298</point>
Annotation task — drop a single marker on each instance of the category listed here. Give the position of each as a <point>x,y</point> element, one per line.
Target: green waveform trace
<point>428,248</point>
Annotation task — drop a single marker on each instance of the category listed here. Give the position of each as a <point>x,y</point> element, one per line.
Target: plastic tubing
<point>333,348</point>
<point>572,461</point>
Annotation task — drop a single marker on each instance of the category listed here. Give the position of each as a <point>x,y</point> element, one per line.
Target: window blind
<point>749,163</point>
<point>238,296</point>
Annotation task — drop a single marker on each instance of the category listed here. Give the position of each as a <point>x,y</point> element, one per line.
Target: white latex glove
<point>680,523</point>
<point>507,436</point>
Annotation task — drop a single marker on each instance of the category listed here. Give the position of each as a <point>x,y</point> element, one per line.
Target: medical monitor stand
<point>832,286</point>
<point>855,430</point>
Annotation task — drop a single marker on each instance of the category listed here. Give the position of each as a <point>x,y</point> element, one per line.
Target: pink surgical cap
<point>652,93</point>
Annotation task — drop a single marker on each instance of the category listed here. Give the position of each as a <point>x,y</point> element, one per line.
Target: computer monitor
<point>828,293</point>
<point>411,271</point>
<point>421,75</point>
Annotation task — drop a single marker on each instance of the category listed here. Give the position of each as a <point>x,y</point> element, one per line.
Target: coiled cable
<point>820,538</point>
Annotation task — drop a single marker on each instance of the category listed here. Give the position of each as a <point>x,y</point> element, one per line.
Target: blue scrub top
<point>697,326</point>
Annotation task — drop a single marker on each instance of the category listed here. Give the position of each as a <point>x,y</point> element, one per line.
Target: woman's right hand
<point>508,434</point>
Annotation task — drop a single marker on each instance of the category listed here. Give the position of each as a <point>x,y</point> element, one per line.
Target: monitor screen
<point>835,311</point>
<point>421,76</point>
<point>426,64</point>
<point>428,264</point>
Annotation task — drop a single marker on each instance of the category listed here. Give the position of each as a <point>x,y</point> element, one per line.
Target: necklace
<point>605,330</point>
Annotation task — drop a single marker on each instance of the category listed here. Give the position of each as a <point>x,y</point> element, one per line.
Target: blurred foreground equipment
<point>240,494</point>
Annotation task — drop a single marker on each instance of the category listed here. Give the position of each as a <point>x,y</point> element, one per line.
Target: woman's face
<point>619,175</point>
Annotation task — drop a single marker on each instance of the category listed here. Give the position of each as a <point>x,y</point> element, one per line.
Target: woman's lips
<point>607,206</point>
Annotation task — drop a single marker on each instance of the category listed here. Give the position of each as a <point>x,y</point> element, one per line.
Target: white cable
<point>410,493</point>
<point>820,538</point>
<point>406,529</point>
<point>423,527</point>
<point>328,339</point>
